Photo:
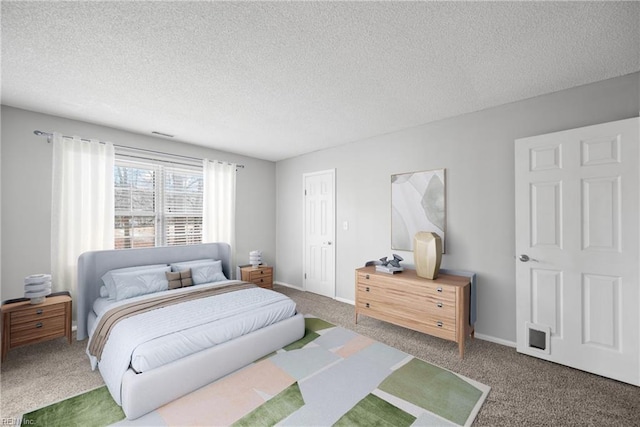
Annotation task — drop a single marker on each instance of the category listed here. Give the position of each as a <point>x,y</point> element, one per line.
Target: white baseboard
<point>347,301</point>
<point>287,285</point>
<point>495,340</point>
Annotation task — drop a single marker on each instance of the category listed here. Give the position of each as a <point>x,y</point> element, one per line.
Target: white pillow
<point>131,284</point>
<point>104,293</point>
<point>108,280</point>
<point>207,272</point>
<point>185,265</point>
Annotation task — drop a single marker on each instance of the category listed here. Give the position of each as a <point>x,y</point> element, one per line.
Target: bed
<point>261,322</point>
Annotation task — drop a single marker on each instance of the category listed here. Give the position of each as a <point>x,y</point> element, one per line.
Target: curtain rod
<point>49,135</point>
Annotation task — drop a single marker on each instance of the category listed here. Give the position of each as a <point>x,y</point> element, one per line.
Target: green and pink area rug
<point>332,376</point>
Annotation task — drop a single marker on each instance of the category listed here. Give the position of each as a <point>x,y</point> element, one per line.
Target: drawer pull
<point>39,312</point>
<point>261,272</point>
<point>439,289</point>
<point>439,305</point>
<point>366,289</point>
<point>439,324</point>
<point>367,305</point>
<point>366,277</point>
<point>261,280</point>
<point>39,325</point>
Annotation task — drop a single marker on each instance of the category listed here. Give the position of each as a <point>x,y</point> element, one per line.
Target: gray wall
<point>26,192</point>
<point>477,151</point>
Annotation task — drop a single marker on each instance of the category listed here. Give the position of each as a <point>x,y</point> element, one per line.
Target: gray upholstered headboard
<point>93,265</point>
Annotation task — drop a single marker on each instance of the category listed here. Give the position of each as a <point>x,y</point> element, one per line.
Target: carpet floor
<point>524,390</point>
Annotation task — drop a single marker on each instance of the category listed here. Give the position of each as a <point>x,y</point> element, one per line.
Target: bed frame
<point>142,393</point>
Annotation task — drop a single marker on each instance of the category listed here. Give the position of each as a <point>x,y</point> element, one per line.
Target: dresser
<point>24,323</point>
<point>260,275</point>
<point>437,307</point>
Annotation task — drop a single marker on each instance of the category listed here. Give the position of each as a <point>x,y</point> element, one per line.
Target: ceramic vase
<point>427,254</point>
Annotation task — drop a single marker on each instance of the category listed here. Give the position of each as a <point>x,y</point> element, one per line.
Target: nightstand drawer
<point>36,313</point>
<point>260,273</point>
<point>35,331</point>
<point>262,281</point>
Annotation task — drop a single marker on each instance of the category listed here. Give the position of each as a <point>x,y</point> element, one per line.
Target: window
<point>156,204</point>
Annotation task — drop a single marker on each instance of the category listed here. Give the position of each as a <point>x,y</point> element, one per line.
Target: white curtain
<point>82,211</point>
<point>219,202</point>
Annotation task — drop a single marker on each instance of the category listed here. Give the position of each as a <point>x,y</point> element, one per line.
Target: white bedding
<point>160,336</point>
<point>101,305</point>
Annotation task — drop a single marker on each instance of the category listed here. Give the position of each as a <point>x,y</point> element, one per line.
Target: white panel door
<point>319,233</point>
<point>577,239</point>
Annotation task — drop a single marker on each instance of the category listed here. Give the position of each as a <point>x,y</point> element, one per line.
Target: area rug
<point>332,376</point>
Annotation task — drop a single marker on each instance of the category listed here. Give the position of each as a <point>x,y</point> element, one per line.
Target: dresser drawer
<point>414,306</point>
<point>441,327</point>
<point>405,287</point>
<point>36,313</point>
<point>445,330</point>
<point>425,299</point>
<point>413,314</point>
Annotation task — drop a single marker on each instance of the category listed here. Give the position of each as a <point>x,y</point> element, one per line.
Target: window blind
<point>156,204</point>
<point>182,206</point>
<point>135,204</point>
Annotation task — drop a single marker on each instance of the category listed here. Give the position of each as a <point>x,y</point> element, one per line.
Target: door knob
<point>525,258</point>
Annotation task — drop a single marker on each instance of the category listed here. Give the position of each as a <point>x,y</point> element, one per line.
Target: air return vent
<point>162,134</point>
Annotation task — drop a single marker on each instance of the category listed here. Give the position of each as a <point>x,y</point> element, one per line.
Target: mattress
<point>191,327</point>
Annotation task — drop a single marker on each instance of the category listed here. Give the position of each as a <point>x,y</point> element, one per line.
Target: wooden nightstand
<point>24,323</point>
<point>260,275</point>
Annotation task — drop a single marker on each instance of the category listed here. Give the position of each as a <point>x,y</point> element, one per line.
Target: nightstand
<point>24,323</point>
<point>260,275</point>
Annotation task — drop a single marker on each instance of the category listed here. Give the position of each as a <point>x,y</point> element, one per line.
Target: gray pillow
<point>107,279</point>
<point>131,284</point>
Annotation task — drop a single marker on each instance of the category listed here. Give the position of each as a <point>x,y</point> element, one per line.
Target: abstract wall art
<point>417,204</point>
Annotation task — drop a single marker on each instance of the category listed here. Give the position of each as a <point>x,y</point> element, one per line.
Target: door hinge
<point>305,276</point>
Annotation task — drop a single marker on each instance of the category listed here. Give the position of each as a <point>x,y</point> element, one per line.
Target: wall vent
<point>162,134</point>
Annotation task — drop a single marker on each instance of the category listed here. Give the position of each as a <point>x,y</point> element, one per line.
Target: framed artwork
<point>417,204</point>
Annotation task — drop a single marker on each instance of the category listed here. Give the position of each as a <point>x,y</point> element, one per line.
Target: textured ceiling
<point>275,80</point>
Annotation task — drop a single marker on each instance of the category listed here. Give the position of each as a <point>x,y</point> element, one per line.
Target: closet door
<point>577,240</point>
<point>319,233</point>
